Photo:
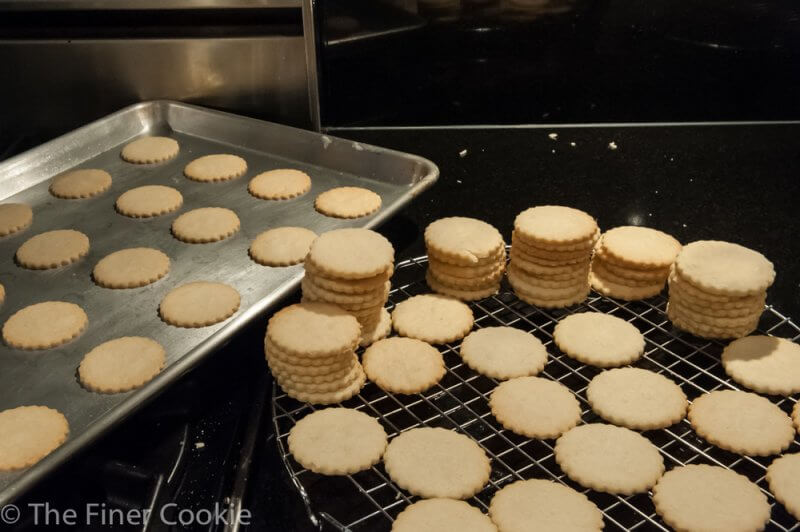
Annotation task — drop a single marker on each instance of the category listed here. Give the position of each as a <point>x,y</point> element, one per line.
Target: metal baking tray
<point>48,377</point>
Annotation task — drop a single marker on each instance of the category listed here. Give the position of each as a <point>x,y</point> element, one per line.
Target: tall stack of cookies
<point>551,248</point>
<point>632,262</point>
<point>310,351</point>
<point>351,268</point>
<point>718,289</point>
<point>466,258</point>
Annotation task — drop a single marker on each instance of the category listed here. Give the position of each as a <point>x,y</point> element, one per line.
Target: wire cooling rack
<point>369,500</point>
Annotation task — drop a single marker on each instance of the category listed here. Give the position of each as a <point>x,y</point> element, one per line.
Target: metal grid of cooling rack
<point>369,500</point>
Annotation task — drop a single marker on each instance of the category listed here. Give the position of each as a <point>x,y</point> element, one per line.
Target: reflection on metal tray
<point>48,377</point>
<point>369,500</point>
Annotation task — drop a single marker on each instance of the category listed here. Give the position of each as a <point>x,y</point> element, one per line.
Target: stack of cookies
<point>551,249</point>
<point>351,268</point>
<point>632,262</point>
<point>466,258</point>
<point>718,289</point>
<point>310,351</point>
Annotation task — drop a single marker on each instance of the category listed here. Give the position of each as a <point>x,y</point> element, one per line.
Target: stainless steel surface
<point>370,500</point>
<point>312,66</point>
<point>110,5</point>
<point>48,377</point>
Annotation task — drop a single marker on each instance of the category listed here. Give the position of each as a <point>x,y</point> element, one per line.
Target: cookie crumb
<point>463,153</point>
<point>553,136</point>
<point>612,145</point>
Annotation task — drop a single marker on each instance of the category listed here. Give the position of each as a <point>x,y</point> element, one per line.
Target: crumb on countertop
<point>463,153</point>
<point>199,445</point>
<point>612,145</point>
<point>553,136</point>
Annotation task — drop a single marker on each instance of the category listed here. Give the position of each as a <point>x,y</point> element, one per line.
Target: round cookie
<point>783,476</point>
<point>741,422</point>
<point>149,201</point>
<point>764,363</point>
<point>553,224</point>
<point>403,365</point>
<point>464,294</point>
<point>379,331</point>
<point>327,398</point>
<point>432,318</point>
<point>28,434</point>
<point>44,325</point>
<point>283,246</point>
<point>206,224</point>
<point>83,183</point>
<point>535,407</point>
<point>521,284</point>
<point>313,330</point>
<point>641,247</point>
<point>121,364</point>
<point>725,269</point>
<point>636,398</point>
<point>436,462</point>
<point>351,254</point>
<point>599,339</point>
<point>705,497</point>
<point>463,239</point>
<point>148,150</point>
<point>347,202</point>
<point>52,249</point>
<point>217,167</point>
<point>533,299</point>
<point>131,268</point>
<point>609,459</point>
<point>199,304</point>
<point>622,291</point>
<point>543,505</point>
<point>14,217</point>
<point>503,352</point>
<point>436,515</point>
<point>284,183</point>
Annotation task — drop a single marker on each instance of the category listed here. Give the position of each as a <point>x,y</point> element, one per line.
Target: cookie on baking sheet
<point>599,339</point>
<point>283,246</point>
<point>217,167</point>
<point>609,459</point>
<point>403,365</point>
<point>436,462</point>
<point>741,422</point>
<point>765,364</point>
<point>783,476</point>
<point>121,364</point>
<point>147,150</point>
<point>436,515</point>
<point>554,224</point>
<point>206,224</point>
<point>463,239</point>
<point>535,407</point>
<point>723,268</point>
<point>538,504</point>
<point>705,497</point>
<point>432,318</point>
<point>347,202</point>
<point>149,201</point>
<point>28,434</point>
<point>83,183</point>
<point>337,441</point>
<point>131,268</point>
<point>313,330</point>
<point>283,183</point>
<point>44,325</point>
<point>503,352</point>
<point>640,247</point>
<point>52,249</point>
<point>199,304</point>
<point>636,398</point>
<point>351,253</point>
<point>14,217</point>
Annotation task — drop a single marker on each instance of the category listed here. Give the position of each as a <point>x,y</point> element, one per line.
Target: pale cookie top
<point>313,330</point>
<point>546,505</point>
<point>283,246</point>
<point>783,476</point>
<point>199,304</point>
<point>432,318</point>
<point>121,364</point>
<point>44,325</point>
<point>464,238</point>
<point>724,268</point>
<point>150,150</point>
<point>206,224</point>
<point>437,515</point>
<point>283,183</point>
<point>554,224</point>
<point>641,246</point>
<point>503,352</point>
<point>53,249</point>
<point>636,398</point>
<point>28,434</point>
<point>436,462</point>
<point>535,407</point>
<point>764,363</point>
<point>347,202</point>
<point>709,498</point>
<point>609,459</point>
<point>14,217</point>
<point>741,422</point>
<point>131,268</point>
<point>149,200</point>
<point>351,253</point>
<point>403,365</point>
<point>337,441</point>
<point>217,167</point>
<point>83,183</point>
<point>599,339</point>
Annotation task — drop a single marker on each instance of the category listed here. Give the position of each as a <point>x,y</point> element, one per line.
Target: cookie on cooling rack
<point>599,339</point>
<point>435,515</point>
